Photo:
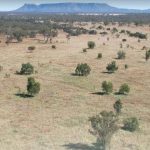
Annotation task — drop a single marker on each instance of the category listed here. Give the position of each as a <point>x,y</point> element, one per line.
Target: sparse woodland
<point>70,81</point>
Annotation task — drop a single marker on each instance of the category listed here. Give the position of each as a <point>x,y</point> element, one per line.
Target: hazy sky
<point>13,4</point>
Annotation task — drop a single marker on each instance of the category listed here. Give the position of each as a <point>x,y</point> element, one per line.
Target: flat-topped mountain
<point>76,8</point>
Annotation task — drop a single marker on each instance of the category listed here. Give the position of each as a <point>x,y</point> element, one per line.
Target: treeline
<point>125,18</point>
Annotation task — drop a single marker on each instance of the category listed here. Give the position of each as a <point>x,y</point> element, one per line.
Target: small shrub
<point>33,87</point>
<point>121,55</point>
<point>99,56</point>
<point>118,106</point>
<point>112,67</point>
<point>26,69</point>
<point>126,66</point>
<point>84,50</point>
<point>107,87</point>
<point>124,40</point>
<point>131,124</point>
<point>53,47</point>
<point>31,48</point>
<point>147,55</point>
<point>91,45</point>
<point>124,89</point>
<point>82,70</point>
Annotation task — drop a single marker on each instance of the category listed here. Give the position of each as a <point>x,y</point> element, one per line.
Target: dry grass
<point>57,118</point>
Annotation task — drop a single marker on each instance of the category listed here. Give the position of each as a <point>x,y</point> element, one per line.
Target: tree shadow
<point>98,93</point>
<point>107,72</point>
<point>80,146</point>
<point>118,93</point>
<point>24,95</point>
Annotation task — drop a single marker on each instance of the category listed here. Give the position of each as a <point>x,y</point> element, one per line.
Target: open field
<point>57,118</point>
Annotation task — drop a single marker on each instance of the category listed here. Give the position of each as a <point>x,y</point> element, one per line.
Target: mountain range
<point>75,8</point>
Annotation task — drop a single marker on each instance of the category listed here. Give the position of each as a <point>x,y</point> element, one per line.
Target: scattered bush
<point>121,55</point>
<point>84,50</point>
<point>118,106</point>
<point>91,44</point>
<point>107,87</point>
<point>99,56</point>
<point>33,87</point>
<point>131,124</point>
<point>31,48</point>
<point>126,66</point>
<point>124,89</point>
<point>124,40</point>
<point>147,55</point>
<point>112,67</point>
<point>53,46</point>
<point>82,70</point>
<point>26,69</point>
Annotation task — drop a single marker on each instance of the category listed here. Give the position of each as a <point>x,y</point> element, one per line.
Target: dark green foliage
<point>26,69</point>
<point>92,32</point>
<point>118,106</point>
<point>31,48</point>
<point>126,66</point>
<point>112,67</point>
<point>131,124</point>
<point>104,126</point>
<point>32,34</point>
<point>99,56</point>
<point>147,55</point>
<point>121,55</point>
<point>124,89</point>
<point>114,30</point>
<point>138,35</point>
<point>107,87</point>
<point>82,70</point>
<point>33,87</point>
<point>53,46</point>
<point>91,44</point>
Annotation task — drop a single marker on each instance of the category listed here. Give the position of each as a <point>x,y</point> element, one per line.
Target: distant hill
<point>75,8</point>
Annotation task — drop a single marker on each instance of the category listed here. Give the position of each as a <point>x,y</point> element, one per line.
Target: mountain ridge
<point>76,8</point>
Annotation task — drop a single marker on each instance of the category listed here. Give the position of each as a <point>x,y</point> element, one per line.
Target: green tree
<point>124,89</point>
<point>131,124</point>
<point>107,87</point>
<point>104,126</point>
<point>112,67</point>
<point>118,106</point>
<point>91,44</point>
<point>26,69</point>
<point>82,70</point>
<point>33,87</point>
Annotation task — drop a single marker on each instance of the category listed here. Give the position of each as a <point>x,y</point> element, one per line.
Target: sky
<point>6,5</point>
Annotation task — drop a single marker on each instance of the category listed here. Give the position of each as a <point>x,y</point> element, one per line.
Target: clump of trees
<point>26,69</point>
<point>137,35</point>
<point>82,69</point>
<point>121,55</point>
<point>91,45</point>
<point>107,87</point>
<point>112,67</point>
<point>33,87</point>
<point>106,124</point>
